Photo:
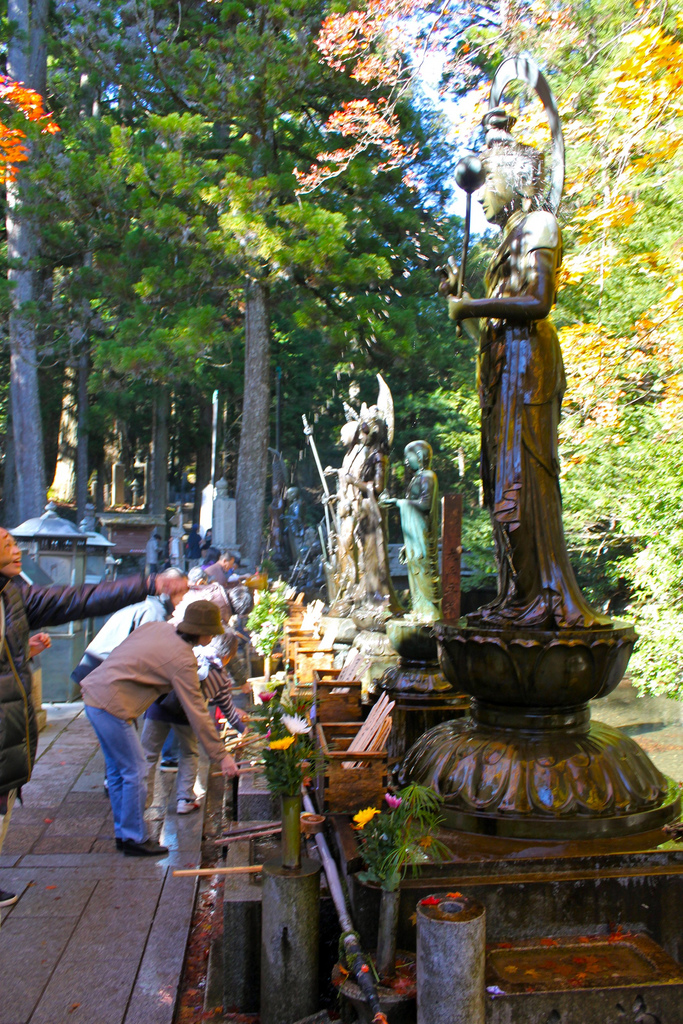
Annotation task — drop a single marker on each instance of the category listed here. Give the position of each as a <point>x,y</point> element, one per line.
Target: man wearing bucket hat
<point>155,659</point>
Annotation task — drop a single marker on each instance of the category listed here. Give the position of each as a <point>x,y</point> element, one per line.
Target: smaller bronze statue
<point>276,508</point>
<point>295,526</point>
<point>419,512</point>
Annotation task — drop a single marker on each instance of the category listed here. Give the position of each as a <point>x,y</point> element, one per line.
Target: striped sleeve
<point>216,687</point>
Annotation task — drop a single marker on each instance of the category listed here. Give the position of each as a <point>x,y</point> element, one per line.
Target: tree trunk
<point>10,508</point>
<point>26,57</point>
<point>159,489</point>
<point>101,470</point>
<point>64,482</point>
<point>82,432</point>
<point>252,465</point>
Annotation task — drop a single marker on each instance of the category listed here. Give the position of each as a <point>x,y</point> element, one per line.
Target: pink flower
<point>393,801</point>
<point>268,735</point>
<point>266,696</point>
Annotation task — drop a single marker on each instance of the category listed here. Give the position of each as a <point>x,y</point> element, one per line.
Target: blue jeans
<point>126,773</point>
<point>170,750</point>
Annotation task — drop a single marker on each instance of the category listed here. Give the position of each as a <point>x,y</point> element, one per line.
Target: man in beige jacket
<point>155,659</point>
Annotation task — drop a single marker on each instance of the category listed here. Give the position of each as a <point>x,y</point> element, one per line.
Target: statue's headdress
<point>498,123</point>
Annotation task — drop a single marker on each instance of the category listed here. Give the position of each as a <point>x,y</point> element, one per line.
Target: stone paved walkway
<point>96,937</point>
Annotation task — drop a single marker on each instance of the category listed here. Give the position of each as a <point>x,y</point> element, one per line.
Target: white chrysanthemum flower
<point>295,724</point>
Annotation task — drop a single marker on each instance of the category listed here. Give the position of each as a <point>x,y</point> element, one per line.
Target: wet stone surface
<point>96,937</point>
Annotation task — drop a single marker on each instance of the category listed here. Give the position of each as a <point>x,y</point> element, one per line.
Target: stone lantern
<point>99,564</point>
<point>54,551</point>
<point>55,545</point>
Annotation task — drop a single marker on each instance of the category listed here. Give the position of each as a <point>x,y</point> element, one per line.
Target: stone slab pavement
<point>96,937</point>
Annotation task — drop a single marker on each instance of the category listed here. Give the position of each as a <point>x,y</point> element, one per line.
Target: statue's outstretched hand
<point>460,309</point>
<point>449,277</point>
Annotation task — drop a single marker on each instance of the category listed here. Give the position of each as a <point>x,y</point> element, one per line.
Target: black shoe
<point>7,898</point>
<point>149,848</point>
<point>119,843</point>
<point>168,765</point>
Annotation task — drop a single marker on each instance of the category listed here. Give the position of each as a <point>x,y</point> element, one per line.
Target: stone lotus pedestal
<point>528,762</point>
<point>423,696</point>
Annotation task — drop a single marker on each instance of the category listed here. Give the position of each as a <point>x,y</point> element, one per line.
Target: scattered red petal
<point>364,969</point>
<point>48,821</point>
<point>430,901</point>
<point>74,1006</point>
<point>454,895</point>
<point>50,886</point>
<point>549,942</point>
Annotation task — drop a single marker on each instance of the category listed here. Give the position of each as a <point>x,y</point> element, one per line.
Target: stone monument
<point>224,533</point>
<point>529,762</point>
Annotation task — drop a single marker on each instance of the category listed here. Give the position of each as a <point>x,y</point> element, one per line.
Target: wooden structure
<point>336,700</point>
<point>344,786</point>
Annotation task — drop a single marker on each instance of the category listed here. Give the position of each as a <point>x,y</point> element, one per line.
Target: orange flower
<point>363,817</point>
<point>283,744</point>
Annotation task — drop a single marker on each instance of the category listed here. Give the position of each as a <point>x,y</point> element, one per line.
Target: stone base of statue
<point>528,762</point>
<point>423,696</point>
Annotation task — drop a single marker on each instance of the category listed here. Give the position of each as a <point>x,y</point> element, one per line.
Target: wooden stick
<point>245,836</point>
<point>241,869</point>
<point>243,829</point>
<point>372,736</point>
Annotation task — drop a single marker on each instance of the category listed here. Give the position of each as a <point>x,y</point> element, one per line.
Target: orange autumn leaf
<point>12,140</point>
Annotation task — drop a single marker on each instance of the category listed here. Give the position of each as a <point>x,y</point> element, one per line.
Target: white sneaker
<point>187,806</point>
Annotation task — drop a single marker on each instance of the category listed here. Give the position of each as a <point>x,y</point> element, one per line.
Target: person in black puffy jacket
<point>24,608</point>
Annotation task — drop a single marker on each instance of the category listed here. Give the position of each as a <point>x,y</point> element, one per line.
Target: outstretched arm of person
<point>53,606</point>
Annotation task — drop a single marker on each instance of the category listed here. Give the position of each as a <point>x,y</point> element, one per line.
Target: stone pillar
<point>206,510</point>
<point>289,942</point>
<point>451,955</point>
<point>224,518</point>
<point>117,484</point>
<point>176,548</point>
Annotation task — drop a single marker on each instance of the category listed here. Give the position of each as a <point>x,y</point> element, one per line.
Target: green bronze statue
<point>419,512</point>
<point>521,384</point>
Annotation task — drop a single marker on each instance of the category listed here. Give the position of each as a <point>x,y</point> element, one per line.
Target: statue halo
<point>524,69</point>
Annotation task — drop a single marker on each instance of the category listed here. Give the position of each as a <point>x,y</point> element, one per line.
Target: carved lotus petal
<point>598,772</point>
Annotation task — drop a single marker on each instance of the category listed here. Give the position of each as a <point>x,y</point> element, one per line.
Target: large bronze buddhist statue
<point>529,762</point>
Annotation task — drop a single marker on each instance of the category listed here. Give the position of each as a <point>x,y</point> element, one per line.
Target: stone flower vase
<point>291,830</point>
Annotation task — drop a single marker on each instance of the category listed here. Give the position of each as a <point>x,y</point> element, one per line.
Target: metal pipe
<point>355,957</point>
